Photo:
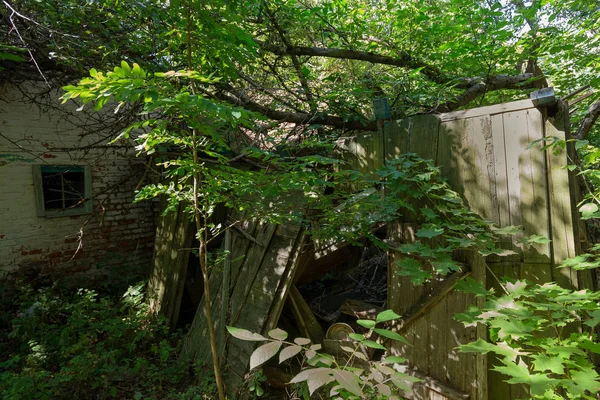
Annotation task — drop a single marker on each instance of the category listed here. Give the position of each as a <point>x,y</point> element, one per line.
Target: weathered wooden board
<point>260,299</point>
<point>169,264</point>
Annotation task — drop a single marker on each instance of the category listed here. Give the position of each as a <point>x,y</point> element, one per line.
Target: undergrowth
<point>59,343</point>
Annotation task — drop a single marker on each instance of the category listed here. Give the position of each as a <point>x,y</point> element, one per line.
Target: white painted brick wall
<point>117,232</point>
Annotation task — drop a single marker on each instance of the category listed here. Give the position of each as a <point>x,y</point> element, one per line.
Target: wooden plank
<point>165,287</point>
<point>448,157</point>
<point>262,298</point>
<point>533,188</point>
<point>479,271</point>
<point>249,269</point>
<point>488,110</point>
<point>560,204</point>
<point>180,255</point>
<point>240,244</point>
<point>438,331</point>
<point>286,280</point>
<point>501,200</point>
<point>514,143</point>
<point>397,138</point>
<point>304,317</point>
<point>460,366</point>
<point>424,136</point>
<point>475,160</point>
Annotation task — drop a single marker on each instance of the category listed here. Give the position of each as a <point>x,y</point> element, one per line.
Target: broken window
<point>62,190</point>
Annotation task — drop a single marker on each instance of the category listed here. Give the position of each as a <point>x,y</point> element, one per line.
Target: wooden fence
<point>486,154</point>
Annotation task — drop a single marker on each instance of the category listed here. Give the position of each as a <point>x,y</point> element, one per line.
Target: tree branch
<point>497,82</point>
<point>294,117</point>
<point>589,120</point>
<point>405,60</point>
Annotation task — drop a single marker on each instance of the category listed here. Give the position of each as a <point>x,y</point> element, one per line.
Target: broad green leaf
<point>469,285</point>
<point>264,353</point>
<point>594,320</point>
<point>498,252</point>
<point>588,210</point>
<point>301,341</point>
<point>366,323</point>
<point>413,269</point>
<point>507,230</point>
<point>348,381</point>
<point>244,334</point>
<point>394,360</point>
<point>516,289</point>
<point>582,381</point>
<point>373,345</point>
<point>289,352</point>
<point>387,315</point>
<point>356,336</point>
<point>535,239</point>
<point>543,363</point>
<point>429,232</point>
<point>391,335</point>
<point>314,377</point>
<point>278,334</point>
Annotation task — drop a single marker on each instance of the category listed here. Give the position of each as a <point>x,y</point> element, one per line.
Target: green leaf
<point>356,336</point>
<point>289,352</point>
<point>369,324</point>
<point>498,252</point>
<point>394,360</point>
<point>429,232</point>
<point>387,315</point>
<point>301,341</point>
<point>468,285</point>
<point>348,381</point>
<point>264,353</point>
<point>483,347</point>
<point>125,67</point>
<point>373,345</point>
<point>535,239</point>
<point>11,57</point>
<point>594,320</point>
<point>413,269</point>
<point>93,72</point>
<point>582,381</point>
<point>588,210</point>
<point>244,334</point>
<point>391,335</point>
<point>543,363</point>
<point>278,334</point>
<point>314,377</point>
<point>507,230</point>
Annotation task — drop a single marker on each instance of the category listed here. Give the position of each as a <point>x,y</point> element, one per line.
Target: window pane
<point>64,187</point>
<point>73,189</point>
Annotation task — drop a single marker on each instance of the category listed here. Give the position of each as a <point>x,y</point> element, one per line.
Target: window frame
<point>38,185</point>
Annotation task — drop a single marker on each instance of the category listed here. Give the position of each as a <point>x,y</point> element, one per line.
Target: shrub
<point>81,345</point>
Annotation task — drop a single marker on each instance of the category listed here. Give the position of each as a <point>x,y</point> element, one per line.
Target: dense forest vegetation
<point>235,101</point>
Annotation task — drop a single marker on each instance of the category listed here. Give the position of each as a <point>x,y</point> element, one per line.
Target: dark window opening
<point>62,190</point>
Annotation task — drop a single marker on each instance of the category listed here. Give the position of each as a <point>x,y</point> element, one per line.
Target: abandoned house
<point>66,194</point>
<point>275,276</point>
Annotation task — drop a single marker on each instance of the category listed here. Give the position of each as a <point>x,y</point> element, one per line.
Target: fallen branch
<point>589,120</point>
<point>496,82</point>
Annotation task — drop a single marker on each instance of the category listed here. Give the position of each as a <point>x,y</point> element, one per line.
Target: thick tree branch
<point>497,82</point>
<point>405,60</point>
<point>589,120</point>
<point>295,117</point>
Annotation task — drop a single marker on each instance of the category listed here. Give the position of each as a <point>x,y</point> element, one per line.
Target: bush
<point>81,345</point>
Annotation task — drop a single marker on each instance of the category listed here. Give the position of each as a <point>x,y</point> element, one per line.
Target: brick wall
<point>116,234</point>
